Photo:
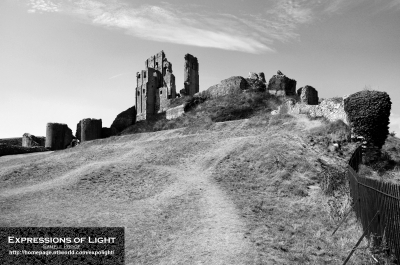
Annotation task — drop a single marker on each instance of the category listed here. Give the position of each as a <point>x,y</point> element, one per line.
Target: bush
<point>368,113</point>
<point>336,131</point>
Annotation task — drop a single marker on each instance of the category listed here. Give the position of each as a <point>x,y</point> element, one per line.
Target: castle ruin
<point>191,77</point>
<point>58,136</point>
<point>156,84</point>
<point>90,129</point>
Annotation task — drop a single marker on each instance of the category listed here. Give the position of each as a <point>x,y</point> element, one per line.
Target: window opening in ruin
<point>144,91</point>
<point>160,92</point>
<point>138,76</point>
<point>138,93</point>
<point>156,64</point>
<point>144,75</point>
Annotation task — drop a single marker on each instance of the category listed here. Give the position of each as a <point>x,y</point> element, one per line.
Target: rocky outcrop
<point>176,112</point>
<point>281,85</point>
<point>308,95</point>
<point>29,140</point>
<point>232,85</point>
<point>124,120</point>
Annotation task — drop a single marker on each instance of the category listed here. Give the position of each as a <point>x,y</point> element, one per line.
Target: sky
<point>66,60</point>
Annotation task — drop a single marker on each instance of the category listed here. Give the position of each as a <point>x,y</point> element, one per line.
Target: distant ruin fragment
<point>191,77</point>
<point>90,129</point>
<point>308,95</point>
<point>281,85</point>
<point>58,136</point>
<point>29,140</point>
<point>231,85</point>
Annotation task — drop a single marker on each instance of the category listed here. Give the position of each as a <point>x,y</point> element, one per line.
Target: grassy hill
<point>246,190</point>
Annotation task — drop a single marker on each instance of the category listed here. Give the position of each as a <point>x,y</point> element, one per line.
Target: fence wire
<point>370,197</point>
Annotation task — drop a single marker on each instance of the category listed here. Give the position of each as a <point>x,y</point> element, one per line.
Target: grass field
<point>235,192</point>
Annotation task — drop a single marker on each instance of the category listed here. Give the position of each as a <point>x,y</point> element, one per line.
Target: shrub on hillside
<point>368,113</point>
<point>256,85</point>
<point>336,131</point>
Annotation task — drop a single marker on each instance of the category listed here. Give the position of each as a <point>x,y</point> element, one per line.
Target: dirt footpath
<point>159,188</point>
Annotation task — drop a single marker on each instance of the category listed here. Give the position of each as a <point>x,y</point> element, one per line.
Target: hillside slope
<point>238,192</point>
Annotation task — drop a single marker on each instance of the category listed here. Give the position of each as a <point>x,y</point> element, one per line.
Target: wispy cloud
<point>252,33</point>
<point>115,76</point>
<point>42,6</point>
<point>166,25</point>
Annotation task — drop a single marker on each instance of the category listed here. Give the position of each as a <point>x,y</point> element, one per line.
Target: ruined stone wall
<point>331,109</point>
<point>162,99</point>
<point>78,131</point>
<point>58,136</point>
<point>232,85</point>
<point>176,112</point>
<point>281,85</point>
<point>191,75</point>
<point>29,140</point>
<point>145,102</point>
<point>169,82</point>
<point>308,95</point>
<point>90,129</point>
<point>150,83</point>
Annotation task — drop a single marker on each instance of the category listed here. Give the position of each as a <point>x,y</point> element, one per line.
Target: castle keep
<point>156,84</point>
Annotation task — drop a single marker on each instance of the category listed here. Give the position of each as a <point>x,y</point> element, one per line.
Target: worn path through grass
<point>157,186</point>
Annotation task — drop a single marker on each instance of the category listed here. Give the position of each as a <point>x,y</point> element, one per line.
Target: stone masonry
<point>58,136</point>
<point>90,129</point>
<point>232,85</point>
<point>308,95</point>
<point>29,140</point>
<point>155,86</point>
<point>191,77</point>
<point>281,85</point>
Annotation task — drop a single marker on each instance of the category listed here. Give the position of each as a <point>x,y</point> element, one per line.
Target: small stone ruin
<point>308,95</point>
<point>281,85</point>
<point>29,140</point>
<point>58,136</point>
<point>90,129</point>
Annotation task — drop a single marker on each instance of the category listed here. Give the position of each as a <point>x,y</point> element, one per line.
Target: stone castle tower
<point>191,78</point>
<point>155,86</point>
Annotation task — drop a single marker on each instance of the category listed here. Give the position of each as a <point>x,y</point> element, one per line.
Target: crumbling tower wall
<point>155,86</point>
<point>191,77</point>
<point>58,136</point>
<point>90,129</point>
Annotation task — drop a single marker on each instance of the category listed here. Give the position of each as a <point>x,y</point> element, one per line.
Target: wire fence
<point>377,206</point>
